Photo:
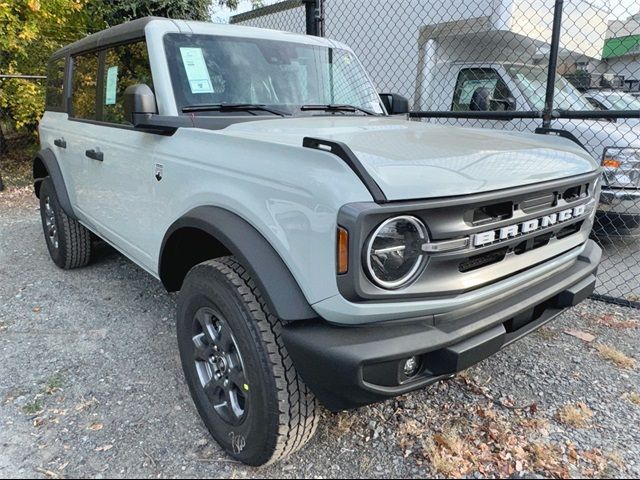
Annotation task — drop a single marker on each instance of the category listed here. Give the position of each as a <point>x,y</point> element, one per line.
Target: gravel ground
<point>91,386</point>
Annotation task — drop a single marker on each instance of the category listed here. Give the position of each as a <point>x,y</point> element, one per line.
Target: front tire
<point>240,375</point>
<point>69,242</point>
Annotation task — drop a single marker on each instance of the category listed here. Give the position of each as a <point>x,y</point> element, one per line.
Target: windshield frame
<point>176,70</point>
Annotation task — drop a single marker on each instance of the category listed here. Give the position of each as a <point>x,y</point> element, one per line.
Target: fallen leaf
<point>47,473</point>
<point>104,448</point>
<point>95,427</point>
<point>37,309</point>
<point>584,336</point>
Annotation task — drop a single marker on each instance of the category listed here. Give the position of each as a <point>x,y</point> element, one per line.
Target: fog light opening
<point>411,366</point>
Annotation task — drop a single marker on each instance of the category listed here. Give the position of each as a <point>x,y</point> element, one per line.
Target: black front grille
<point>569,230</point>
<point>489,258</point>
<point>482,260</point>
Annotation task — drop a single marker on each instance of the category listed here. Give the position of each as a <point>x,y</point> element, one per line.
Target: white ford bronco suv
<point>324,250</point>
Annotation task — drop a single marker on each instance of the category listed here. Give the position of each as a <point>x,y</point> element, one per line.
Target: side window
<point>84,82</point>
<point>125,65</point>
<point>54,97</point>
<point>349,84</point>
<point>479,89</point>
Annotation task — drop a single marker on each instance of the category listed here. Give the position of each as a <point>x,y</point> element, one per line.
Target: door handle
<point>60,142</point>
<point>94,154</point>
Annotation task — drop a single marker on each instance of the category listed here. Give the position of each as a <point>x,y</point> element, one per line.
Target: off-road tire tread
<point>77,238</point>
<point>78,242</point>
<point>298,407</point>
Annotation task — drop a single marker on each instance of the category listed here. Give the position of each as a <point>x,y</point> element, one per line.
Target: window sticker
<point>112,84</point>
<point>196,69</point>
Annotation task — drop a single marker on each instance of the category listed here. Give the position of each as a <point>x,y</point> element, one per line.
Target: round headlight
<point>394,252</point>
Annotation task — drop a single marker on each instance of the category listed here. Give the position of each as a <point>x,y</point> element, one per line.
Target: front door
<point>115,174</point>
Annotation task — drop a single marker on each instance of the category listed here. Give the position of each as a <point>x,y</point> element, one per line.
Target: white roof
<point>209,28</point>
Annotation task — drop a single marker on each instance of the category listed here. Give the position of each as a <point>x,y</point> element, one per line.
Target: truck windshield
<point>622,101</point>
<point>532,83</point>
<point>283,76</point>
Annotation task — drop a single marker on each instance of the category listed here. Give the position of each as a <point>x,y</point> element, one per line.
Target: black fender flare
<point>50,162</point>
<point>280,289</point>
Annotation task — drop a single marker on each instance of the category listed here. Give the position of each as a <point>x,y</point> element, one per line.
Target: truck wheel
<point>69,243</point>
<point>240,375</point>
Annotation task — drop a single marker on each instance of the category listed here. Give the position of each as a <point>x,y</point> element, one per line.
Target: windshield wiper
<point>337,108</point>
<point>232,107</point>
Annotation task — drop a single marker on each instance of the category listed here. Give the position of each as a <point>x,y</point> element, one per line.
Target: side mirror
<point>139,104</point>
<point>481,100</point>
<point>394,103</point>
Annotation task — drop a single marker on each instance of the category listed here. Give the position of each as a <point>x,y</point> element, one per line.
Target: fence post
<point>312,12</point>
<point>553,64</point>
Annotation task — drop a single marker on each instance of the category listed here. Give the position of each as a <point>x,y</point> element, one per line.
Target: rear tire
<point>69,243</point>
<point>264,412</point>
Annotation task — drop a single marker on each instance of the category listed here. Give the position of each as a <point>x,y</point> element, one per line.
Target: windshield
<point>532,83</point>
<point>215,70</point>
<point>622,101</point>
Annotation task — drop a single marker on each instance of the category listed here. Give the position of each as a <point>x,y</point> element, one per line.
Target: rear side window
<point>55,85</point>
<point>477,84</point>
<point>125,65</point>
<point>84,86</point>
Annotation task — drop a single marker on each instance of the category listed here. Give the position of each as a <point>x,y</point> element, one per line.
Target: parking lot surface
<point>91,386</point>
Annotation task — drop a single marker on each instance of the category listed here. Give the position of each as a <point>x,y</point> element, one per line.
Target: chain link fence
<point>548,66</point>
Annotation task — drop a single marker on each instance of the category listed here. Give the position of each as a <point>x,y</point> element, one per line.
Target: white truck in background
<point>499,44</point>
<point>467,72</point>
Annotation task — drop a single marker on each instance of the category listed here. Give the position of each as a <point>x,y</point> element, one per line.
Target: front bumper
<point>618,209</point>
<point>351,367</point>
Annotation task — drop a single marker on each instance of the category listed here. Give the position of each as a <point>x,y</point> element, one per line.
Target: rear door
<point>54,127</point>
<point>116,173</point>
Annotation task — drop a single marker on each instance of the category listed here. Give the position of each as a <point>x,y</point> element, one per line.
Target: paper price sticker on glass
<point>196,69</point>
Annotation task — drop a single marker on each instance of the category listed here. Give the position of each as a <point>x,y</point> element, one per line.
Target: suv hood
<point>415,160</point>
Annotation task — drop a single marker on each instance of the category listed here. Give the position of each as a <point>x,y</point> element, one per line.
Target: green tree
<point>114,12</point>
<point>30,30</point>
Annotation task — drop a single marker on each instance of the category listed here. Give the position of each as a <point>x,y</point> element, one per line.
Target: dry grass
<point>547,334</point>
<point>542,455</point>
<point>615,356</point>
<point>575,415</point>
<point>411,428</point>
<point>344,423</point>
<point>634,397</point>
<point>451,440</point>
<point>616,458</point>
<point>615,321</point>
<point>440,460</point>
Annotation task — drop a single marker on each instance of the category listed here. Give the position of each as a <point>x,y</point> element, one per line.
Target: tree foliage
<point>30,30</point>
<point>115,12</point>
